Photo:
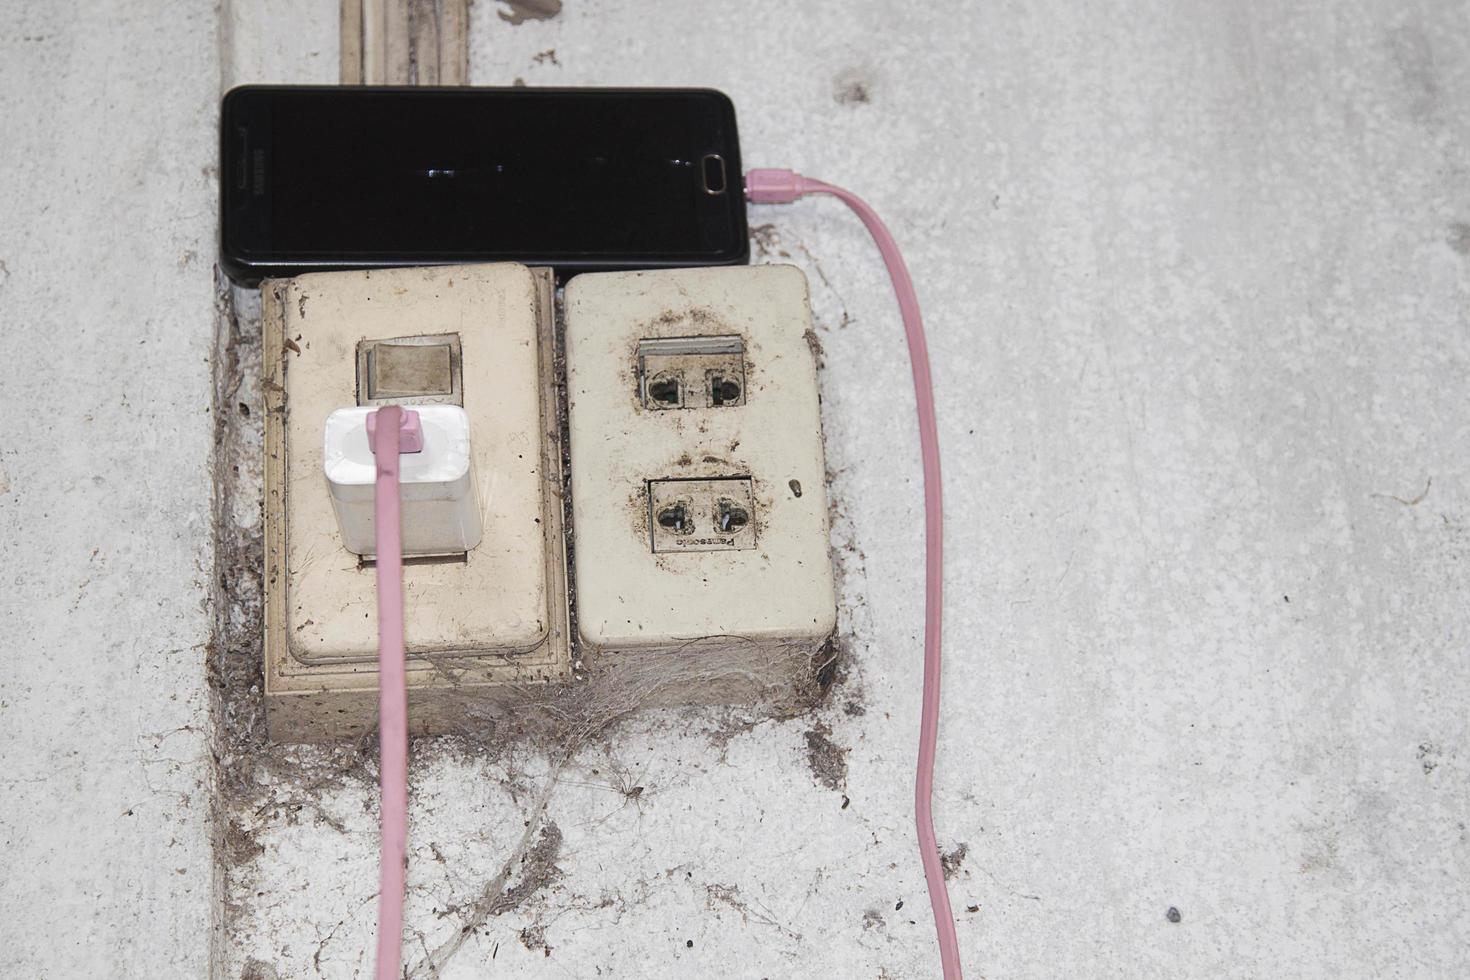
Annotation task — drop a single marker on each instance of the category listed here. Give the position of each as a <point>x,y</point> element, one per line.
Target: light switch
<point>420,370</point>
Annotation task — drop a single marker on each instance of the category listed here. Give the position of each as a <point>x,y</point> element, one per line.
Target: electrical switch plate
<point>476,624</point>
<point>699,504</point>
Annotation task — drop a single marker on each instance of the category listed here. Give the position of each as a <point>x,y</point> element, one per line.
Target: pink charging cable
<point>783,187</point>
<point>391,430</point>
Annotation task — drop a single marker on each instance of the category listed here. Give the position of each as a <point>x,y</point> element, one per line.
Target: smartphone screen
<point>330,178</point>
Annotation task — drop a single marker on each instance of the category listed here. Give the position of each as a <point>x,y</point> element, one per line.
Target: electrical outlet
<point>476,623</point>
<point>701,515</point>
<point>691,372</point>
<point>699,505</point>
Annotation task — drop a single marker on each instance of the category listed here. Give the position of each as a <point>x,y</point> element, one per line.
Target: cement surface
<point>1195,276</point>
<point>106,250</point>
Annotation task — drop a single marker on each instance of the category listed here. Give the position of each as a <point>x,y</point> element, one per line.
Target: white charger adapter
<point>440,499</point>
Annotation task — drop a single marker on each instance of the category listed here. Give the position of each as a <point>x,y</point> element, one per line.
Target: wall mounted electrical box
<point>486,608</point>
<point>698,509</point>
<point>699,504</point>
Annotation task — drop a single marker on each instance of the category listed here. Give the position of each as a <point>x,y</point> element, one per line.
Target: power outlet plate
<point>475,624</point>
<point>691,372</point>
<point>699,515</point>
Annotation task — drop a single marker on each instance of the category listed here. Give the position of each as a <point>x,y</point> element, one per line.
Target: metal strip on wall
<point>405,42</point>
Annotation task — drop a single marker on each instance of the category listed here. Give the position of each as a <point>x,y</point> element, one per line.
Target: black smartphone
<point>316,178</point>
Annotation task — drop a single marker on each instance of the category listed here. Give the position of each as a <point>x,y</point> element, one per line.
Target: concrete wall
<point>106,246</point>
<point>1196,279</point>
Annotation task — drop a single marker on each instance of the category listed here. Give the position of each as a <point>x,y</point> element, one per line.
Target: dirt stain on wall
<point>827,759</point>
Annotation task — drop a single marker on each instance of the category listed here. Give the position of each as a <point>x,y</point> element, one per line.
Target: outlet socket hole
<point>665,391</point>
<point>731,517</point>
<point>676,518</point>
<point>723,391</point>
